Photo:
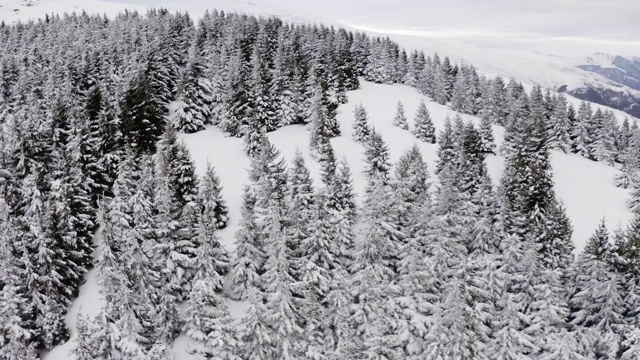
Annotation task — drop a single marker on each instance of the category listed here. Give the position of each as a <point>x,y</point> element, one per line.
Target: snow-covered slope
<point>586,187</point>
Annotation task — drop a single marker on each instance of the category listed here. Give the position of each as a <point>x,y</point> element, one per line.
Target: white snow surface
<point>585,187</point>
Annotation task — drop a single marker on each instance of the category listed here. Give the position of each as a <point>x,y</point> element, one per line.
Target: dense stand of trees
<point>446,268</point>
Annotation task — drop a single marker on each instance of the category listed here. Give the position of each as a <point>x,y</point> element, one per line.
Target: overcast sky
<point>581,25</point>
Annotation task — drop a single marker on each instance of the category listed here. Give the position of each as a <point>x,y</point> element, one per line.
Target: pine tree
<point>494,102</point>
<point>400,120</point>
<point>604,139</point>
<point>423,126</point>
<point>248,264</point>
<point>420,295</point>
<point>631,345</point>
<point>301,201</point>
<point>195,96</point>
<point>176,164</point>
<point>361,129</point>
<point>280,310</point>
<point>411,186</point>
<point>341,209</point>
<point>260,101</point>
<point>582,132</point>
<point>559,129</point>
<point>213,217</point>
<point>16,334</point>
<point>236,110</point>
<point>446,152</point>
<point>510,339</point>
<point>84,349</point>
<point>288,97</point>
<point>528,199</point>
<point>210,325</point>
<point>214,208</point>
<point>256,335</point>
<point>630,166</point>
<point>564,345</point>
<point>323,121</point>
<point>338,333</point>
<point>596,303</point>
<point>486,134</point>
<point>142,116</point>
<point>548,311</point>
<point>377,157</point>
<point>458,332</point>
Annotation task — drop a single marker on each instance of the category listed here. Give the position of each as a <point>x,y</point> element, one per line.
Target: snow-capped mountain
<point>623,75</point>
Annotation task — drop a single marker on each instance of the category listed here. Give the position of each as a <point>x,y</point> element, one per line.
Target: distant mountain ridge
<point>623,75</point>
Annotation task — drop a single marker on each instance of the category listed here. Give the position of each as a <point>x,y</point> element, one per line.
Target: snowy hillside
<point>586,187</point>
<point>92,143</point>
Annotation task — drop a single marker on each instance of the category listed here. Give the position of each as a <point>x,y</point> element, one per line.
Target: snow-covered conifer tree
<point>361,128</point>
<point>400,120</point>
<point>248,264</point>
<point>423,126</point>
<point>193,111</point>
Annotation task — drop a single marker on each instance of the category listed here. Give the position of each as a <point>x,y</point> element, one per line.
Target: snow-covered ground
<point>585,187</point>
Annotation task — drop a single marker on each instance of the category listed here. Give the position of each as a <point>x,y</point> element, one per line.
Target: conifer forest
<point>428,262</point>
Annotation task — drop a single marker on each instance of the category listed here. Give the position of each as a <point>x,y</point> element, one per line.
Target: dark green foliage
<point>142,117</point>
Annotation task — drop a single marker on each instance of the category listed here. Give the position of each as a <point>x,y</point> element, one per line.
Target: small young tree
<point>361,129</point>
<point>423,126</point>
<point>400,120</point>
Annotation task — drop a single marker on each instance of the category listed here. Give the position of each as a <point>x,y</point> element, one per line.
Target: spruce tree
<point>84,348</point>
<point>361,129</point>
<point>486,134</point>
<point>214,207</point>
<point>142,116</point>
<point>604,147</point>
<point>248,264</point>
<point>400,120</point>
<point>583,132</point>
<point>411,186</point>
<point>559,128</point>
<point>194,111</point>
<point>528,199</point>
<point>301,199</point>
<point>418,283</point>
<point>259,100</point>
<point>494,102</point>
<point>210,325</point>
<point>596,302</point>
<point>281,312</point>
<point>446,152</point>
<point>213,217</point>
<point>459,331</point>
<point>423,126</point>
<point>377,157</point>
<point>255,333</point>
